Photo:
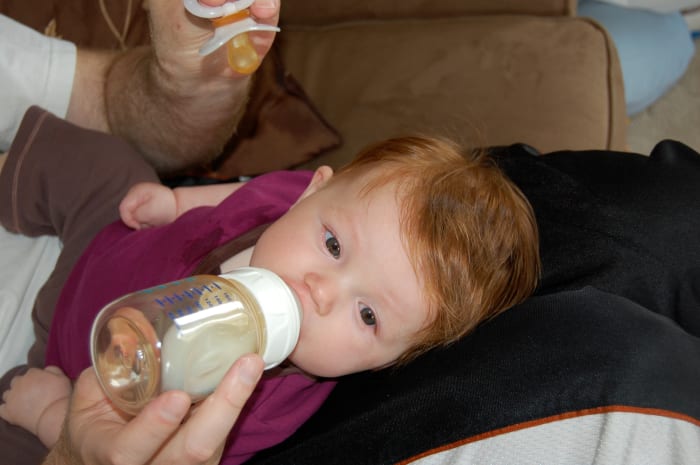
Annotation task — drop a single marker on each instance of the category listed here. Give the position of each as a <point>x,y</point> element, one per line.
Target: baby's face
<point>343,256</point>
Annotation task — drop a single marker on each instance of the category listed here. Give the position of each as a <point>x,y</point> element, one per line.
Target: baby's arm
<point>38,401</point>
<point>151,204</point>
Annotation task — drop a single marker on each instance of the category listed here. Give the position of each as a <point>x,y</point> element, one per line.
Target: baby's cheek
<point>308,357</point>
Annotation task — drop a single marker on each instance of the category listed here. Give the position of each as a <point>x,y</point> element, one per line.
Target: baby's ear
<point>321,176</point>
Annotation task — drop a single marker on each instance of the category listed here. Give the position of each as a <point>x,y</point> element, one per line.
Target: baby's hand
<point>148,204</point>
<point>38,402</point>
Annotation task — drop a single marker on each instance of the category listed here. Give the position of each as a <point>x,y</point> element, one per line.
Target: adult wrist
<point>188,77</point>
<point>189,115</point>
<point>62,452</point>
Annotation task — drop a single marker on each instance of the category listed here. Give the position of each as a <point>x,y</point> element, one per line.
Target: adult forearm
<point>175,122</point>
<point>86,106</point>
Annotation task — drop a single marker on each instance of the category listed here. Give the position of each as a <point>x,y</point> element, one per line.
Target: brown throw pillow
<point>280,129</point>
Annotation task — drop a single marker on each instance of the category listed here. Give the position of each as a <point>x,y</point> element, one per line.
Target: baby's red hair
<point>469,232</point>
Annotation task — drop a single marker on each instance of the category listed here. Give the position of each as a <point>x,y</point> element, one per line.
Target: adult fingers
<point>104,435</point>
<point>157,436</point>
<point>262,9</point>
<point>209,426</point>
<point>151,430</point>
<point>212,2</point>
<point>174,30</point>
<point>267,10</point>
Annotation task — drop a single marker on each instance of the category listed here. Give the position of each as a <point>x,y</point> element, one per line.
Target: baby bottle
<point>186,334</point>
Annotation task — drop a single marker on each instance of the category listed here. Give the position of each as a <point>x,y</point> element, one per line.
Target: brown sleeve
<point>61,180</point>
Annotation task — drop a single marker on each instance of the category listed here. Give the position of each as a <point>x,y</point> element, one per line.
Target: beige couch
<point>486,72</point>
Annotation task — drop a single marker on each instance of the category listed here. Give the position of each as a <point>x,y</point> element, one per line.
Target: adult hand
<point>97,434</point>
<point>178,107</point>
<point>177,36</point>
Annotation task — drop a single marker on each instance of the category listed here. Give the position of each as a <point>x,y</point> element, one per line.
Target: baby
<point>407,248</point>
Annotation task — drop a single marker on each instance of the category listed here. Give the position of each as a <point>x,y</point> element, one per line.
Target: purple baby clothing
<point>120,260</point>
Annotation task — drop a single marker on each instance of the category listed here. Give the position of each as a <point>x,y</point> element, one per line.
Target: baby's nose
<point>323,292</point>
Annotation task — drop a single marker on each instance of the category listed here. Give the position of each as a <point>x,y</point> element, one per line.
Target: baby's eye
<point>368,316</point>
<point>332,244</point>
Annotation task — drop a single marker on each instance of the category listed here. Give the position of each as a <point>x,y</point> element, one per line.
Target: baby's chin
<point>291,367</point>
<point>312,368</point>
<point>316,370</point>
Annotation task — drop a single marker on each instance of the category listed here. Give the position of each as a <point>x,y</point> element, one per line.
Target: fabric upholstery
<point>493,80</point>
<point>319,13</point>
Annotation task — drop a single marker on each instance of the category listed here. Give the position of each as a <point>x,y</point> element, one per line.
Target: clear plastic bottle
<point>186,334</point>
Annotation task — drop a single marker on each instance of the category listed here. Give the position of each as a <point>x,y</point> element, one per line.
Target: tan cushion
<point>552,82</point>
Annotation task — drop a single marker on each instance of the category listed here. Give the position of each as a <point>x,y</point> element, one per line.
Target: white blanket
<point>26,264</point>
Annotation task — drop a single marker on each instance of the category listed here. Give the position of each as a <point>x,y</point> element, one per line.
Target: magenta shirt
<point>120,260</point>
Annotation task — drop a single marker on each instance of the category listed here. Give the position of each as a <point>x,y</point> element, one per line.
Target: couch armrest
<point>320,12</point>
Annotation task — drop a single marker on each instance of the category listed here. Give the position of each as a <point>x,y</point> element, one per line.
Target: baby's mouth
<point>299,291</point>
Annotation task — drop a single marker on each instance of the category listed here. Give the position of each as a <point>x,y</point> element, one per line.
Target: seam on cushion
<point>610,78</point>
<point>14,194</point>
<point>553,418</point>
<point>611,97</point>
